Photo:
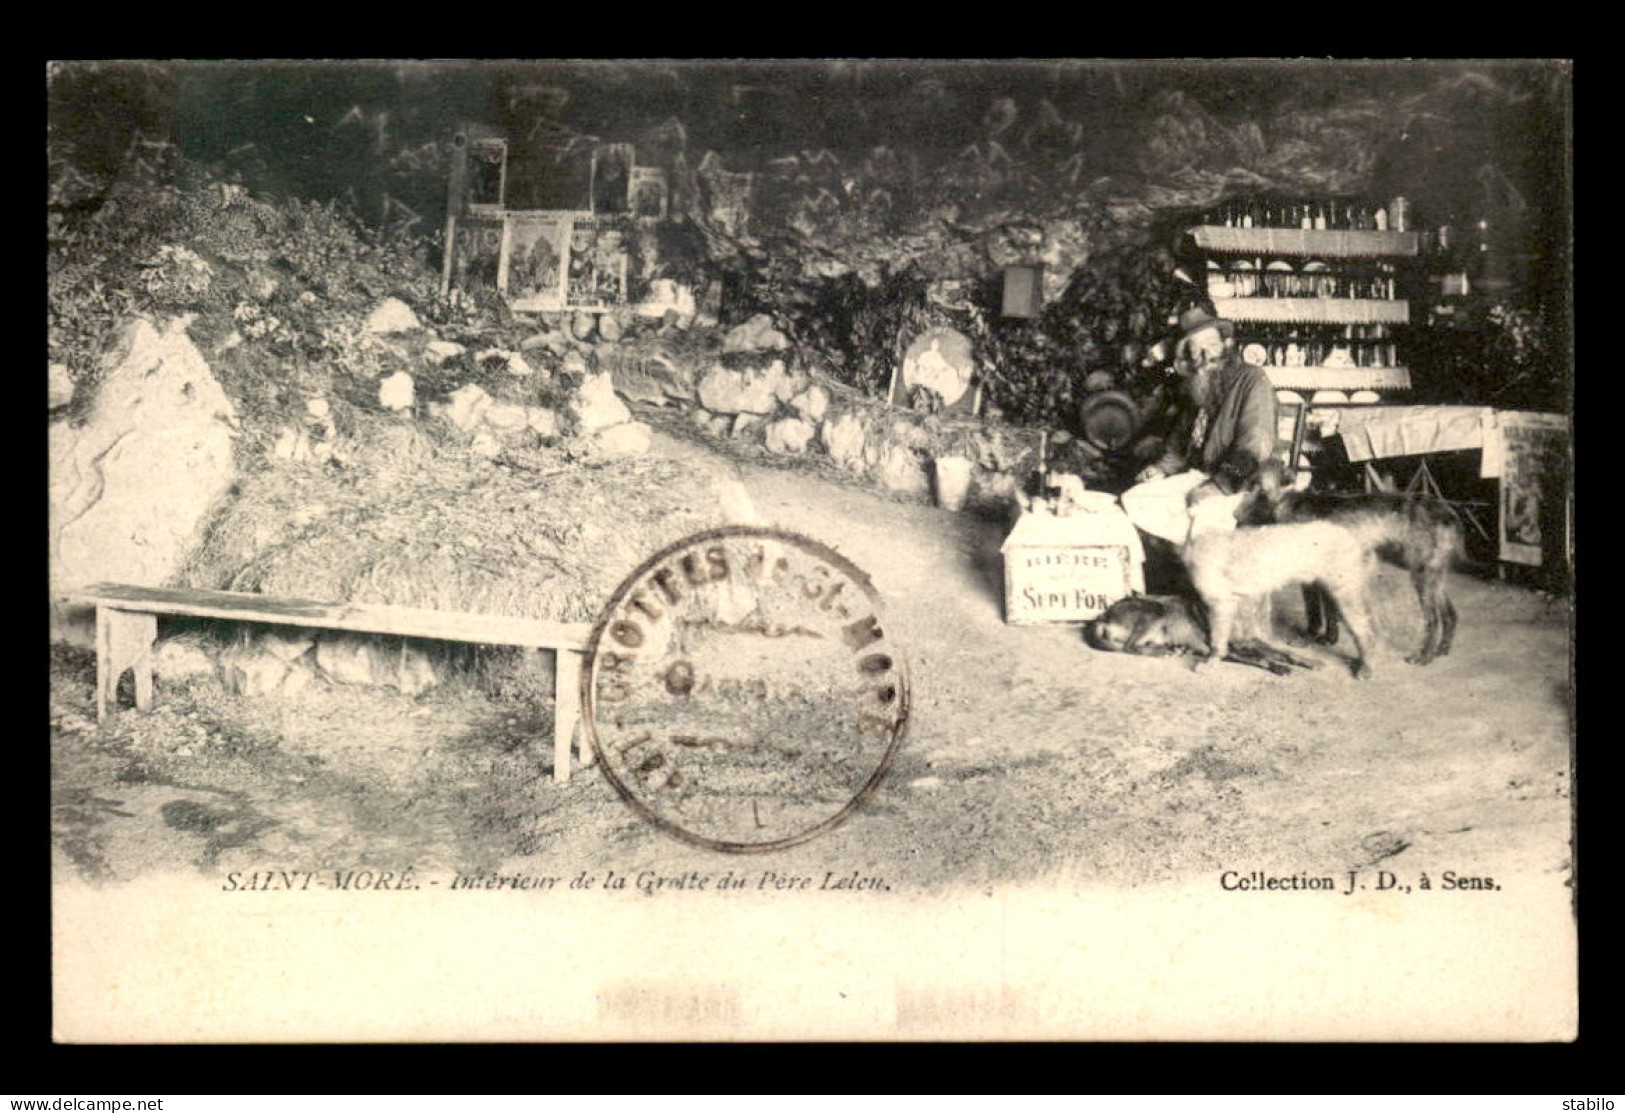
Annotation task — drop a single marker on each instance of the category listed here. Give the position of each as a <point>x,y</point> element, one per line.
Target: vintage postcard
<point>816,651</point>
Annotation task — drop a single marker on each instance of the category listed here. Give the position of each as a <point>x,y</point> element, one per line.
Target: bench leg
<point>123,641</point>
<point>566,710</point>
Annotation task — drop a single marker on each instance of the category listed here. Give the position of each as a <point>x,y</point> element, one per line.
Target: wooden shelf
<point>1321,242</point>
<point>1313,311</point>
<point>1340,378</point>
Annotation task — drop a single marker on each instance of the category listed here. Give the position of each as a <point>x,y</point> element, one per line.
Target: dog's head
<point>1104,634</point>
<point>1266,492</point>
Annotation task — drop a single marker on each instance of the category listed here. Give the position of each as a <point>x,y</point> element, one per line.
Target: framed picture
<point>1023,290</point>
<point>535,260</point>
<point>611,178</point>
<point>936,370</point>
<point>475,260</point>
<point>595,277</point>
<point>1533,503</point>
<point>487,175</point>
<point>649,194</point>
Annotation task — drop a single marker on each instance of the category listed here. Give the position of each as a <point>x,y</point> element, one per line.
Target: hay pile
<point>413,522</point>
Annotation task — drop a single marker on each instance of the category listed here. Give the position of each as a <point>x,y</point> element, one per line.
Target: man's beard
<point>1208,379</point>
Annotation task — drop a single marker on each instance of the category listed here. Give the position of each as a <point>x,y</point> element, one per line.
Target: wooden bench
<point>127,627</point>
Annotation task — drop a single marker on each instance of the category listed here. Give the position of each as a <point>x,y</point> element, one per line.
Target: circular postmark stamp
<point>741,690</point>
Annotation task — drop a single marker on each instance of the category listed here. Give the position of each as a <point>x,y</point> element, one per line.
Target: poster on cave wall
<point>476,255</point>
<point>937,371</point>
<point>596,275</point>
<point>487,175</point>
<point>648,193</point>
<point>726,200</point>
<point>1533,451</point>
<point>535,260</point>
<point>611,178</point>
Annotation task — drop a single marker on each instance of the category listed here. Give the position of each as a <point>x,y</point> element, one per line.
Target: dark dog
<point>1422,536</point>
<point>1163,625</point>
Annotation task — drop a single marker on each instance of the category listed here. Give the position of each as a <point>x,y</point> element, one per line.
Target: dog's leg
<point>1449,623</point>
<point>1221,620</point>
<point>1329,616</point>
<point>1258,656</point>
<point>1314,619</point>
<point>1349,601</point>
<point>1286,658</point>
<point>1432,617</point>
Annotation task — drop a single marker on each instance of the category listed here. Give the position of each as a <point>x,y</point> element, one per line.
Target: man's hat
<point>1195,319</point>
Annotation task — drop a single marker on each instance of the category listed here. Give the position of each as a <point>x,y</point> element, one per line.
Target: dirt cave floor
<point>1028,756</point>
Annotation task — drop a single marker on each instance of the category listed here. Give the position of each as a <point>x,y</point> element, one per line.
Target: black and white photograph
<point>811,550</point>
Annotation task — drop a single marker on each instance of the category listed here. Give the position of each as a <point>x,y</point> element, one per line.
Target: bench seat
<point>127,627</point>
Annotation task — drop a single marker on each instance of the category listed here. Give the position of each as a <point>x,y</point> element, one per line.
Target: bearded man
<point>1202,476</point>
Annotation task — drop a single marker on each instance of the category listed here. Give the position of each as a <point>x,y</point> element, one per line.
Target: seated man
<point>1200,478</point>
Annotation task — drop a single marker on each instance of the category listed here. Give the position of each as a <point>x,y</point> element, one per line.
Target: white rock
<point>318,407</point>
<point>484,444</point>
<point>513,361</point>
<point>250,671</point>
<point>597,406</point>
<point>789,435</point>
<point>300,674</point>
<point>536,340</point>
<point>720,425</point>
<point>439,351</point>
<point>790,384</point>
<point>744,423</point>
<point>811,403</point>
<point>583,325</point>
<point>415,673</point>
<point>468,405</point>
<point>130,489</point>
<point>654,378</point>
<point>630,439</point>
<point>59,388</point>
<point>844,439</point>
<point>610,328</point>
<point>503,415</point>
<point>354,659</point>
<point>735,392</point>
<point>700,416</point>
<point>181,659</point>
<point>754,335</point>
<point>901,470</point>
<point>573,363</point>
<point>292,444</point>
<point>287,642</point>
<point>667,296</point>
<point>542,419</point>
<point>397,392</point>
<point>391,315</point>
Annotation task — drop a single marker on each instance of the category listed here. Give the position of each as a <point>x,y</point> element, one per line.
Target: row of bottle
<point>1320,346</point>
<point>1336,215</point>
<point>1241,279</point>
